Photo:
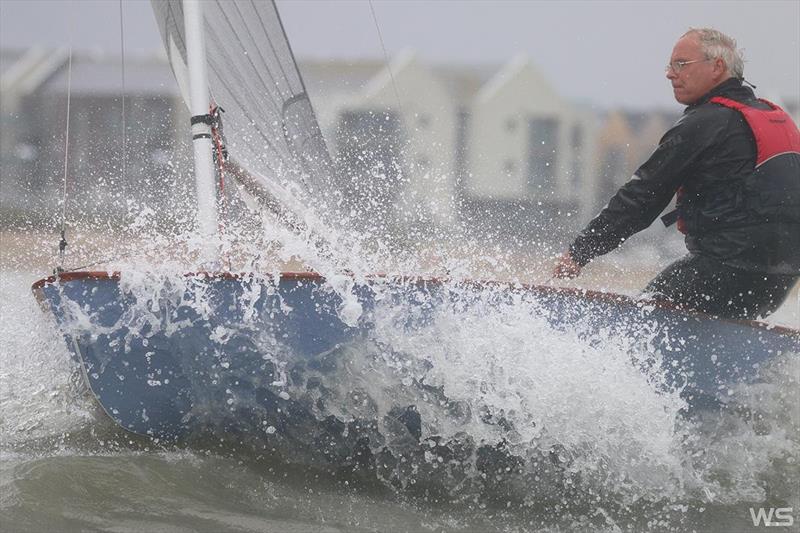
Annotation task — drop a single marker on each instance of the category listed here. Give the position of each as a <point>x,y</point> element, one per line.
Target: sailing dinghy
<point>249,352</point>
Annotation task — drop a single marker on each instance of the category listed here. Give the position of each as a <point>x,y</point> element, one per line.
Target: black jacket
<point>710,152</point>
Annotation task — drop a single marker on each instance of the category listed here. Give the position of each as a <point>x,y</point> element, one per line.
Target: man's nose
<point>671,74</point>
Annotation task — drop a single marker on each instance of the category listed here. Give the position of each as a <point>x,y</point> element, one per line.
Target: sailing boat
<point>249,353</point>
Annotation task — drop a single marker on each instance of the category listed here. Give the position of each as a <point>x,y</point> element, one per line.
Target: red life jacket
<point>776,137</point>
<point>774,131</point>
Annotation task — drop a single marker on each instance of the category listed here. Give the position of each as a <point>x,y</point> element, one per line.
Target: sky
<point>607,53</point>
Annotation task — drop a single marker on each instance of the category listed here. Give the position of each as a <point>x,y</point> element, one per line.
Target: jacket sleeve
<point>650,189</point>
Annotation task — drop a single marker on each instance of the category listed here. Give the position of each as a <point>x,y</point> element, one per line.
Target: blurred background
<point>517,119</point>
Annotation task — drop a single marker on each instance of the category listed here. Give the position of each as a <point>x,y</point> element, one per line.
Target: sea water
<point>606,448</point>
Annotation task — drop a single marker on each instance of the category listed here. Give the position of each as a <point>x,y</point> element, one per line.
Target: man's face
<point>695,79</point>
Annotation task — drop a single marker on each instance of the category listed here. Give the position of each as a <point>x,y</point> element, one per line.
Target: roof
<point>102,75</point>
<point>464,81</point>
<point>8,57</point>
<point>327,77</point>
<point>322,77</point>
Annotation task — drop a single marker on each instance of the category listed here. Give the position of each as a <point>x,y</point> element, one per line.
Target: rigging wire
<point>386,57</point>
<point>62,244</point>
<point>124,127</point>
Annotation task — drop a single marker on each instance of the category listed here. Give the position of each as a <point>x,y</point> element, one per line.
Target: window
<point>369,156</point>
<point>577,155</point>
<point>542,154</point>
<point>423,163</point>
<point>462,129</point>
<point>613,171</point>
<point>511,125</point>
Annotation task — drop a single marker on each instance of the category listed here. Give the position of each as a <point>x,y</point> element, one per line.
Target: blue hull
<point>220,350</point>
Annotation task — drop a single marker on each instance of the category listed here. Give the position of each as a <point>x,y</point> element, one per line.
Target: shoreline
<point>35,253</point>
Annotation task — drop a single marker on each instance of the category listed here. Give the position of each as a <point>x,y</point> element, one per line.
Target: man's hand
<point>566,268</point>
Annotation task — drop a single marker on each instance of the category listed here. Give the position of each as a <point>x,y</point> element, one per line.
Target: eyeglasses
<point>677,66</point>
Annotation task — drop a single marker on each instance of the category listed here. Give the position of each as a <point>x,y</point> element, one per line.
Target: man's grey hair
<point>716,44</point>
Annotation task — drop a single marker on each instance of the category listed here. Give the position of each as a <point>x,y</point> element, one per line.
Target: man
<point>734,162</point>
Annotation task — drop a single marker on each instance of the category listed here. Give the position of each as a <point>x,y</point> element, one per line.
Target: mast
<point>201,126</point>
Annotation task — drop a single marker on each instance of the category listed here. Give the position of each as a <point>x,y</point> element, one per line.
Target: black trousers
<point>706,285</point>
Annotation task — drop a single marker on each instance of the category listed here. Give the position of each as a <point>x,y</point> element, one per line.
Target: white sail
<point>270,126</point>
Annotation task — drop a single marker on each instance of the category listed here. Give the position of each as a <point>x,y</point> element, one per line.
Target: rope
<point>220,156</point>
<point>101,261</point>
<point>386,57</point>
<point>117,257</point>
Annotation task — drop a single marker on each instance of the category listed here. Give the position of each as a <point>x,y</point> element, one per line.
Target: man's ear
<point>719,66</point>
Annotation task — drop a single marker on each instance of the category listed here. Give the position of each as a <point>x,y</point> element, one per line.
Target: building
<point>394,136</point>
<point>494,148</point>
<point>105,163</point>
<point>527,145</point>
